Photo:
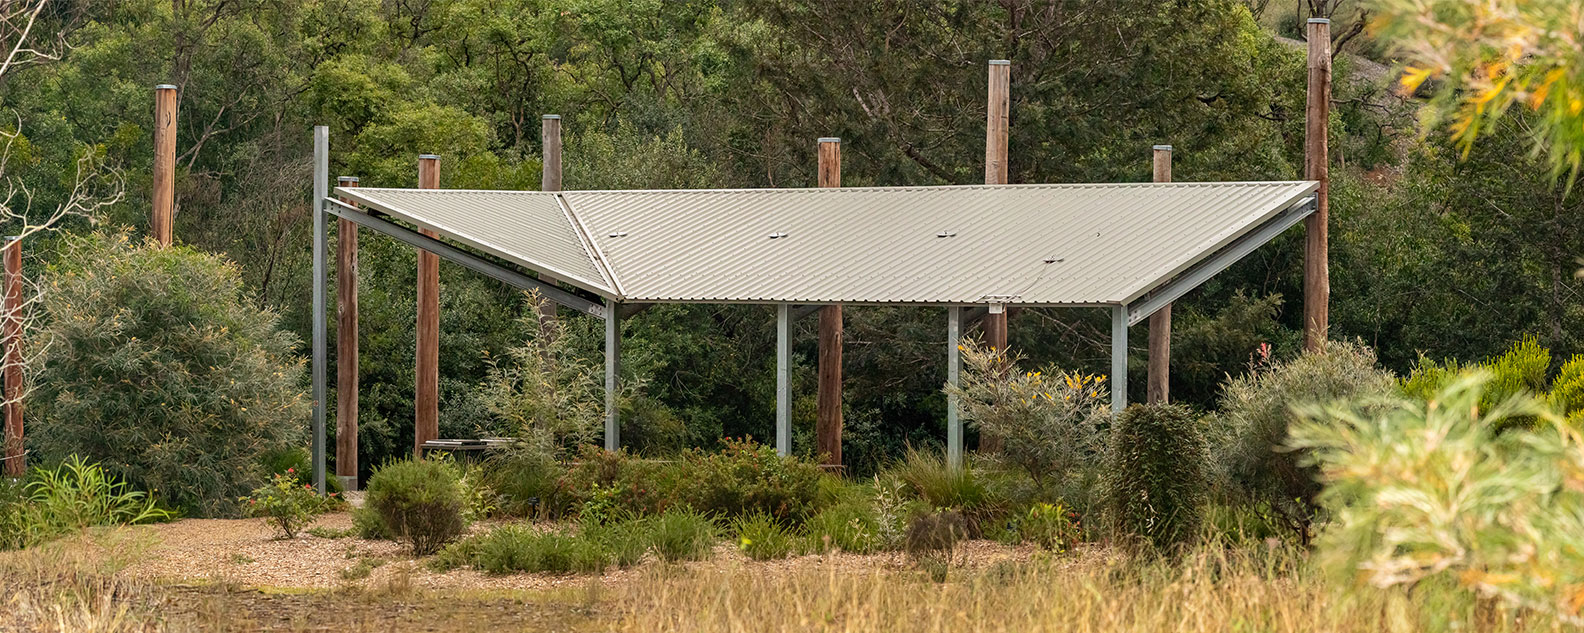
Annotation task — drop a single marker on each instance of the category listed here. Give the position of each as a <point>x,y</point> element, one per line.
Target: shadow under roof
<point>1074,244</point>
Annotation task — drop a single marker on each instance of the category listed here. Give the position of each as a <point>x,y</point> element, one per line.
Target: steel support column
<point>321,190</point>
<point>783,379</point>
<point>1119,358</point>
<point>954,428</point>
<point>612,378</point>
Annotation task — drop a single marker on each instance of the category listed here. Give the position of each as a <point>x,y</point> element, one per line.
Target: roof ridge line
<point>590,246</point>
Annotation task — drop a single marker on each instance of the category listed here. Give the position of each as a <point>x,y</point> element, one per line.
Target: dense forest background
<point>1433,253</point>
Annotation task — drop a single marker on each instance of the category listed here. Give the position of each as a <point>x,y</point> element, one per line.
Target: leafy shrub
<point>73,496</point>
<point>639,486</point>
<point>680,534</point>
<point>367,524</point>
<point>625,542</point>
<point>543,391</point>
<point>762,538</point>
<point>1050,526</point>
<point>160,369</point>
<point>418,502</point>
<point>527,482</point>
<point>1256,410</point>
<point>1567,391</point>
<point>1427,493</point>
<point>848,527</point>
<point>1050,421</point>
<point>746,478</point>
<point>928,477</point>
<point>288,504</point>
<point>1155,475</point>
<point>934,532</point>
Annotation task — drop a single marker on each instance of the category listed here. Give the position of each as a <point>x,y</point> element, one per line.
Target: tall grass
<point>1209,590</point>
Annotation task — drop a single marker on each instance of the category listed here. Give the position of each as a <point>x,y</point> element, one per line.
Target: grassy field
<point>75,585</point>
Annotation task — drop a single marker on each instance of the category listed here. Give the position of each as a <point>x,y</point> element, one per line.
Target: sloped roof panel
<point>529,228</point>
<point>1015,244</point>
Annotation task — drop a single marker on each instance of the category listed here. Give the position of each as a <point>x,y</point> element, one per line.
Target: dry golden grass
<point>1094,592</point>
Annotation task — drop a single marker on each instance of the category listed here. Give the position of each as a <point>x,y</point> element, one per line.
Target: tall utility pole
<point>1317,276</point>
<point>164,173</point>
<point>347,346</point>
<point>828,425</point>
<point>427,423</point>
<point>1159,377</point>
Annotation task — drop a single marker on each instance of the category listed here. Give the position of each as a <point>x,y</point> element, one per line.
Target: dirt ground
<point>245,553</point>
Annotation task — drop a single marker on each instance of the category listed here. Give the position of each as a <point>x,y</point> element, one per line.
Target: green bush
<point>848,527</point>
<point>746,478</point>
<point>623,480</point>
<point>163,371</point>
<point>1155,475</point>
<point>625,542</point>
<point>418,502</point>
<point>1567,391</point>
<point>1428,493</point>
<point>1250,433</point>
<point>762,538</point>
<point>527,482</point>
<point>929,478</point>
<point>287,503</point>
<point>1051,422</point>
<point>1050,526</point>
<point>681,534</point>
<point>367,524</point>
<point>70,497</point>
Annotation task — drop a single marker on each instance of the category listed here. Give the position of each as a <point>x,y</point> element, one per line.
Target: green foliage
<point>934,533</point>
<point>1256,410</point>
<point>849,527</point>
<point>73,496</point>
<point>288,504</point>
<point>419,503</point>
<point>1050,422</point>
<point>1426,493</point>
<point>526,481</point>
<point>681,535</point>
<point>1523,368</point>
<point>367,525</point>
<point>1155,475</point>
<point>746,478</point>
<point>1567,391</point>
<point>761,537</point>
<point>523,548</point>
<point>543,391</point>
<point>1050,526</point>
<point>161,370</point>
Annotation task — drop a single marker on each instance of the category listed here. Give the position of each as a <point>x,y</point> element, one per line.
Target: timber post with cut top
<point>549,180</point>
<point>15,457</point>
<point>1158,380</point>
<point>166,105</point>
<point>998,119</point>
<point>347,346</point>
<point>1317,276</point>
<point>828,425</point>
<point>426,424</point>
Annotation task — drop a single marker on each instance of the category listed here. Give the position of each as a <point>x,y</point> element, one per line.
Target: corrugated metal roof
<point>529,228</point>
<point>1014,244</point>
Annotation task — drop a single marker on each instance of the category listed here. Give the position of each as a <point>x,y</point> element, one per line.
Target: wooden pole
<point>15,458</point>
<point>549,180</point>
<point>828,425</point>
<point>164,173</point>
<point>347,346</point>
<point>1317,276</point>
<point>997,123</point>
<point>427,423</point>
<point>1158,380</point>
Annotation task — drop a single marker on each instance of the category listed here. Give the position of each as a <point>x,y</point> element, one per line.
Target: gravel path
<point>246,553</point>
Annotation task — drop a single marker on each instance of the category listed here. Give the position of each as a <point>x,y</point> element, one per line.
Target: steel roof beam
<point>465,259</point>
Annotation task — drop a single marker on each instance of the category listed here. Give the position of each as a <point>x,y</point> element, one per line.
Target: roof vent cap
<point>946,234</point>
<point>777,235</point>
<point>618,234</point>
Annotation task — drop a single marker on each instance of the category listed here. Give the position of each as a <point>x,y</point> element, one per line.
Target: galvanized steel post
<point>783,379</point>
<point>1119,357</point>
<point>612,368</point>
<point>321,190</point>
<point>954,429</point>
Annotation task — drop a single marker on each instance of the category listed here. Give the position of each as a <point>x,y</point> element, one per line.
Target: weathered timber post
<point>15,458</point>
<point>164,173</point>
<point>1317,276</point>
<point>427,410</point>
<point>347,346</point>
<point>828,426</point>
<point>549,180</point>
<point>1158,378</point>
<point>997,126</point>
